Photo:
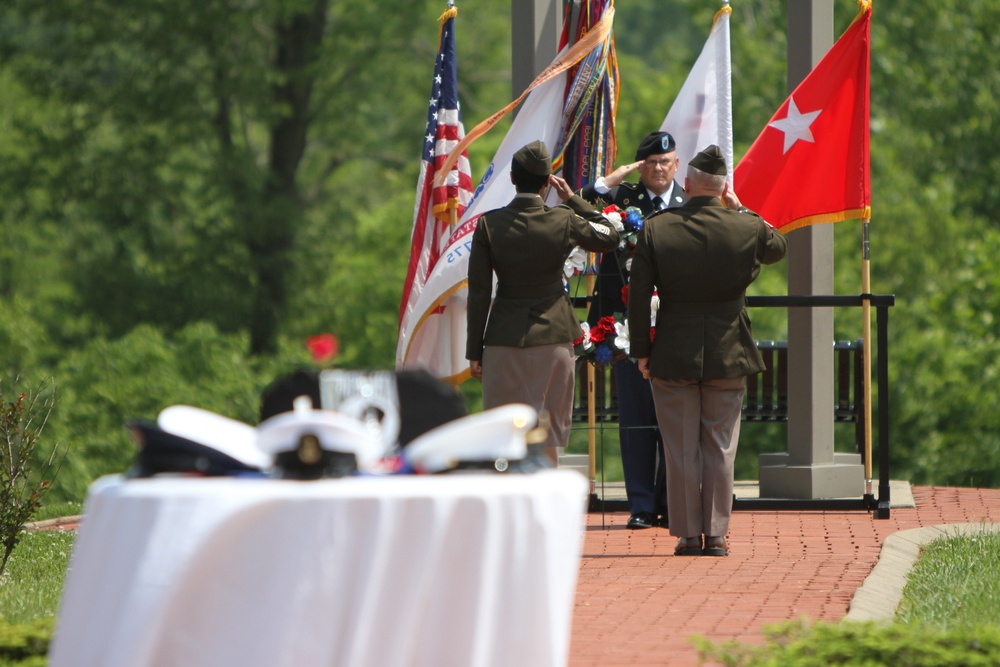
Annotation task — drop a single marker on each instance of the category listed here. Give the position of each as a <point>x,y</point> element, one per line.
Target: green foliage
<point>144,188</point>
<point>799,644</point>
<point>25,645</point>
<point>942,334</point>
<point>190,126</point>
<point>934,116</point>
<point>24,479</point>
<point>367,281</point>
<point>20,335</point>
<point>950,110</point>
<point>140,374</point>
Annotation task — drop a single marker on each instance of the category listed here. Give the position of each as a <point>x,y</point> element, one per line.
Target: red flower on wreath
<point>605,327</point>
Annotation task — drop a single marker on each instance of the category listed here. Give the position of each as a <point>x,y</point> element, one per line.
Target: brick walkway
<point>637,604</point>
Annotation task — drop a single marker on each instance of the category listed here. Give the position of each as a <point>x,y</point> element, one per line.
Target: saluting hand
<point>730,199</point>
<point>618,175</point>
<point>561,186</point>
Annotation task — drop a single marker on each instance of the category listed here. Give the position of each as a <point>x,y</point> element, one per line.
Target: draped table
<point>463,569</point>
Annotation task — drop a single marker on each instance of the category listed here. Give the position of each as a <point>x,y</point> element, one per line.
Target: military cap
<point>655,143</point>
<point>311,444</point>
<point>425,402</point>
<point>495,439</point>
<point>534,158</point>
<point>710,161</point>
<point>226,436</point>
<point>277,397</point>
<point>163,452</point>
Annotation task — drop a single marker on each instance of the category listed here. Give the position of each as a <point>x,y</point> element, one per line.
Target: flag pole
<point>866,317</point>
<point>591,408</point>
<point>866,305</point>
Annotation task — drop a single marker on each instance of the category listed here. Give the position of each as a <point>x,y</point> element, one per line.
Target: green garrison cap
<point>710,161</point>
<point>534,158</point>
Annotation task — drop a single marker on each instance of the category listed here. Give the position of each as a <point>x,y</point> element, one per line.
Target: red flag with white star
<point>810,164</point>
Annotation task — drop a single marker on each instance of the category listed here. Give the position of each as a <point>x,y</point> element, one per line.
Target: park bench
<point>766,397</point>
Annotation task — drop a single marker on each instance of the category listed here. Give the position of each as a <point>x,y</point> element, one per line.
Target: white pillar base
<point>844,478</point>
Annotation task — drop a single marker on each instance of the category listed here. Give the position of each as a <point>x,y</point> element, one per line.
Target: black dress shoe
<point>641,520</point>
<point>716,546</point>
<point>688,546</point>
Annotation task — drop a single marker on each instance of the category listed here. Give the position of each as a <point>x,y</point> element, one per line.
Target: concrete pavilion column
<point>534,39</point>
<point>811,469</point>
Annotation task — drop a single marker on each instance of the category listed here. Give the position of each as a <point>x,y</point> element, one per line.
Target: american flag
<point>432,335</point>
<point>438,207</point>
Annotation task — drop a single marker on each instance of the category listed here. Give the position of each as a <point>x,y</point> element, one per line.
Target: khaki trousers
<point>700,424</point>
<point>541,376</point>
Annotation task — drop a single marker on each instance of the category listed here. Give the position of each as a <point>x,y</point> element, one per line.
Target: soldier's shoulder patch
<point>601,228</point>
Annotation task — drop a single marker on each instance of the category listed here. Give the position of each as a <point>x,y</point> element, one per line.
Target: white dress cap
<point>336,433</point>
<point>229,436</point>
<point>491,435</point>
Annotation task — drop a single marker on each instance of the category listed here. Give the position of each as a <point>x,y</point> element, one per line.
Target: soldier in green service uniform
<point>520,342</point>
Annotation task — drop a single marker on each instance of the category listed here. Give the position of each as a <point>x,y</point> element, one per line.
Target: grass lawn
<point>32,583</point>
<point>955,583</point>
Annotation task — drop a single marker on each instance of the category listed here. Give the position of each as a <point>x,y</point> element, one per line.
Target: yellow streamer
<point>572,57</point>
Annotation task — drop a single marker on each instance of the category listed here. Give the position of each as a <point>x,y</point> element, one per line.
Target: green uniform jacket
<point>700,257</point>
<point>612,275</point>
<point>526,243</point>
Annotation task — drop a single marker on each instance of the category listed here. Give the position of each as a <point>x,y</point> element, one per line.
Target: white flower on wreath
<point>575,263</point>
<point>617,221</point>
<point>615,218</point>
<point>622,337</point>
<point>587,343</point>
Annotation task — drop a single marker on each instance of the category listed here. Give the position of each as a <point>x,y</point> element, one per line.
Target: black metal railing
<point>767,396</point>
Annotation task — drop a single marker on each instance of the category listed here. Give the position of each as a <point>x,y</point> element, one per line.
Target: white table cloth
<point>463,570</point>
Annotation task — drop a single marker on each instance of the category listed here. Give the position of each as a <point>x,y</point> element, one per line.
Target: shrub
<point>798,644</point>
<point>25,645</point>
<point>22,420</point>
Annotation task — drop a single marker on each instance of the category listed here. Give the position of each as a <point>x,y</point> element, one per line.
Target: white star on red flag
<point>795,125</point>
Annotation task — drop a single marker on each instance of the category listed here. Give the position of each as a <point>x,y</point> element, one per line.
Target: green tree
<point>188,141</point>
<point>144,204</point>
